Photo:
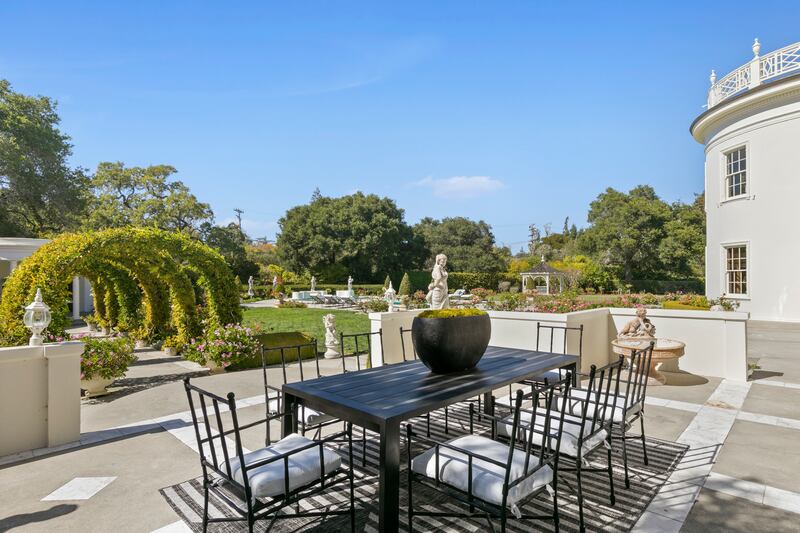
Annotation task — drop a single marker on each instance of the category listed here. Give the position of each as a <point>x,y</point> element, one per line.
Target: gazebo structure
<point>542,273</point>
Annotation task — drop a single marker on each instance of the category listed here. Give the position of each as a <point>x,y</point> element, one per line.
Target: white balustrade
<point>759,70</point>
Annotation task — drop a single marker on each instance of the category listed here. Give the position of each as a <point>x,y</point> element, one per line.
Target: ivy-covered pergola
<point>144,279</point>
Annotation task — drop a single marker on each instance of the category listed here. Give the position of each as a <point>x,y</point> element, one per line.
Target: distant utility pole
<point>239,214</point>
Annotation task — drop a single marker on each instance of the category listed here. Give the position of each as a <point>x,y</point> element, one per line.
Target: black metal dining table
<point>380,398</point>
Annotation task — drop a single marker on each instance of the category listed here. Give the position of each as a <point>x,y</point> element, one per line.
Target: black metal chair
<point>632,400</point>
<point>414,358</point>
<point>587,429</point>
<point>262,484</point>
<point>491,476</point>
<point>308,418</point>
<point>362,345</point>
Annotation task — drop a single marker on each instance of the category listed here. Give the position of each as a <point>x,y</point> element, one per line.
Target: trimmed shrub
<point>451,313</point>
<point>270,341</point>
<point>405,286</point>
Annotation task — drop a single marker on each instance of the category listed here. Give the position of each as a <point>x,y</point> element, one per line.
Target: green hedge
<point>656,286</point>
<point>684,307</point>
<point>460,280</point>
<point>273,340</point>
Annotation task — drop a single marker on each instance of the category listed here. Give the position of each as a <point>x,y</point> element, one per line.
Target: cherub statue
<point>639,326</point>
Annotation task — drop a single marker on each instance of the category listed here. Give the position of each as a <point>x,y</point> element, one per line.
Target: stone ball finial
<point>756,47</point>
<point>713,77</point>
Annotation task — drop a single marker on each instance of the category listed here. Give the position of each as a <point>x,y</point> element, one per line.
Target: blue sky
<point>511,112</point>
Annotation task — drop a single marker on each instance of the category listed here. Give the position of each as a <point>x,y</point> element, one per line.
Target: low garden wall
<point>716,342</point>
<point>40,401</point>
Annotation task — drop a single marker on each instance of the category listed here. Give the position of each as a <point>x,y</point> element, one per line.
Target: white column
<point>547,283</point>
<point>76,298</point>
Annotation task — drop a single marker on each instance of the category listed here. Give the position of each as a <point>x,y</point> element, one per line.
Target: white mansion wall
<point>767,123</point>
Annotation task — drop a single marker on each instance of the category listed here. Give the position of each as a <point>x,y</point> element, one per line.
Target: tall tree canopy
<point>468,245</point>
<point>232,243</point>
<point>143,196</point>
<point>39,193</point>
<point>643,236</point>
<point>362,235</point>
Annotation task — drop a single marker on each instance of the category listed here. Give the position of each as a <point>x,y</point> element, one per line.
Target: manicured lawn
<point>307,321</point>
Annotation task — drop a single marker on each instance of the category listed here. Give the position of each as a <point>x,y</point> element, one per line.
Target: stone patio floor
<point>742,472</point>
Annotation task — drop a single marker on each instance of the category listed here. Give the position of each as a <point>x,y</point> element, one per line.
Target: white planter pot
<point>214,368</point>
<point>140,345</point>
<point>170,351</point>
<point>96,386</point>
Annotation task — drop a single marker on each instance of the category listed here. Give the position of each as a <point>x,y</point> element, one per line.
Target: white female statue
<point>250,291</point>
<point>349,283</point>
<point>313,283</point>
<point>437,290</point>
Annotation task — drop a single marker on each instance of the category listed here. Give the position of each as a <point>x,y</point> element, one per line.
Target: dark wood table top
<point>403,390</point>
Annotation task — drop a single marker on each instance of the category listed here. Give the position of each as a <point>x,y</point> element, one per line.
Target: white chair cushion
<point>569,436</point>
<point>487,478</point>
<point>268,480</point>
<point>312,417</point>
<point>615,414</point>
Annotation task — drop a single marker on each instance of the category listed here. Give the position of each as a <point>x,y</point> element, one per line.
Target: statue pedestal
<point>332,351</point>
<point>665,351</point>
<point>346,293</point>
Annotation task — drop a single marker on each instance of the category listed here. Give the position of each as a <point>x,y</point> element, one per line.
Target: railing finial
<point>756,47</point>
<point>713,77</point>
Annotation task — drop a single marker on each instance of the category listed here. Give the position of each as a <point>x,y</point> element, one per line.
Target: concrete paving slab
<point>687,388</point>
<point>775,401</point>
<point>715,512</point>
<point>663,423</point>
<point>141,465</point>
<point>761,454</point>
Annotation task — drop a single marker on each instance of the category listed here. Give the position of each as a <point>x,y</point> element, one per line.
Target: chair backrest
<point>354,345</point>
<point>541,434</point>
<point>552,330</point>
<point>213,445</point>
<point>638,370</point>
<point>410,342</point>
<point>600,397</point>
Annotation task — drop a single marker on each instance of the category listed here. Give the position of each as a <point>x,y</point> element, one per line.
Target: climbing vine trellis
<point>143,279</point>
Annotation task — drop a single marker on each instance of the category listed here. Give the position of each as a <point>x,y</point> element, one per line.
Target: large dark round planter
<point>451,344</point>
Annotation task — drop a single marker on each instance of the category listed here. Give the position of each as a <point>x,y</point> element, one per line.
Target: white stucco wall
<point>767,123</point>
<point>40,396</point>
<point>716,342</point>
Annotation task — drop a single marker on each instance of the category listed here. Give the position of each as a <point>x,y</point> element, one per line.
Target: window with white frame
<point>736,172</point>
<point>736,270</point>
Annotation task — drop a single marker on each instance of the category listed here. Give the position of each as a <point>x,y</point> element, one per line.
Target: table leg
<point>574,369</point>
<point>389,515</point>
<point>487,403</point>
<point>289,422</point>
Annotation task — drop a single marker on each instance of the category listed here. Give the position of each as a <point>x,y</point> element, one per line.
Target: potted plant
<point>222,347</point>
<point>91,321</point>
<point>451,340</point>
<point>103,361</point>
<point>171,346</point>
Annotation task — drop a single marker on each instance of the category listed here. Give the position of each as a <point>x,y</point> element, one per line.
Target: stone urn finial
<point>756,47</point>
<point>713,77</point>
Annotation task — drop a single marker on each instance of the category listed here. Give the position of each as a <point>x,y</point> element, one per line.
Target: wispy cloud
<point>460,187</point>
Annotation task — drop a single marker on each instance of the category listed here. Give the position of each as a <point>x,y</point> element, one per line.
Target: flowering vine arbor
<point>542,273</point>
<point>143,279</point>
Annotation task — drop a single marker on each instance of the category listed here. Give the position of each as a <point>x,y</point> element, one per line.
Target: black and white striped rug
<point>187,498</point>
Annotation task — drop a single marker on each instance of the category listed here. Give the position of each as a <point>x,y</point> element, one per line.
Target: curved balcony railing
<point>759,70</point>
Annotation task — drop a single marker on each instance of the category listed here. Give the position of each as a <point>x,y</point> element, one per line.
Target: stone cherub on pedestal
<point>331,339</point>
<point>250,291</point>
<point>639,327</point>
<point>437,295</point>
